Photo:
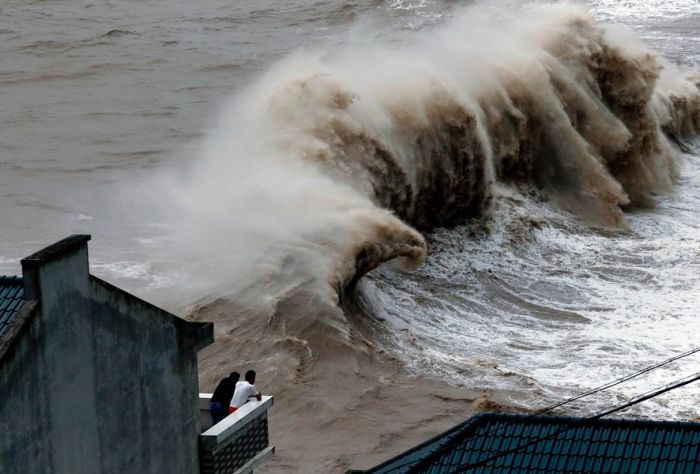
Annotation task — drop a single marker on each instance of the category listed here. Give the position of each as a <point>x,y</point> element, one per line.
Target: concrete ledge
<point>204,399</point>
<point>228,427</point>
<point>54,251</point>
<point>204,413</point>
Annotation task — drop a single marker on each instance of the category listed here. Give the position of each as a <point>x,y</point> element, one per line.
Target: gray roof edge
<point>585,420</point>
<point>55,250</point>
<point>202,332</point>
<point>11,279</point>
<point>17,327</point>
<point>434,442</point>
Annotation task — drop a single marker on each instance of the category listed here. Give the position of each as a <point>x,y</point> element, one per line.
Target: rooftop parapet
<point>237,443</point>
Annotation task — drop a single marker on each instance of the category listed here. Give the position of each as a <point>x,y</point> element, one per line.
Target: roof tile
<point>11,299</point>
<point>557,444</point>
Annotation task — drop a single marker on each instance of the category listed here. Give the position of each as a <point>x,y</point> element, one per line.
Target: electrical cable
<point>593,391</point>
<point>646,396</point>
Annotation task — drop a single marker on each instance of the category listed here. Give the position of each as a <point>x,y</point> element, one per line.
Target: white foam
<point>562,308</point>
<point>122,270</point>
<point>644,10</point>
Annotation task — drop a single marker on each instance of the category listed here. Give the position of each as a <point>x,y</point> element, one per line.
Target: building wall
<point>153,403</point>
<point>100,381</point>
<point>24,409</point>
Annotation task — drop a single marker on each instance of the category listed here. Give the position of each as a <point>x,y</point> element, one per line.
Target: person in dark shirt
<point>220,400</point>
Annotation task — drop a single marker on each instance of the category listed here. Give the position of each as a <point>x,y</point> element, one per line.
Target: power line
<point>593,391</point>
<point>646,396</point>
<point>618,381</point>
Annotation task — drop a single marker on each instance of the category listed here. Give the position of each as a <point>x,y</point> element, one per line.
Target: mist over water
<point>520,172</point>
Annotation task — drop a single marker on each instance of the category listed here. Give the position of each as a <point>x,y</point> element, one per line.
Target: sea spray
<point>324,167</point>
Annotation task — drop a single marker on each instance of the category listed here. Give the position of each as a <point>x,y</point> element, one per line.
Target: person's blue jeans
<point>218,412</point>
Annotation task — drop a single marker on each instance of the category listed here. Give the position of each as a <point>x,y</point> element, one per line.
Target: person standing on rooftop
<point>222,397</point>
<point>244,391</point>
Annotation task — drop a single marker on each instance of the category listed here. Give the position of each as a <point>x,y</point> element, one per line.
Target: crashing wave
<point>341,158</point>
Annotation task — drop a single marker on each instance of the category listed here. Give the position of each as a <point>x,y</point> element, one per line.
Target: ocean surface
<point>116,117</point>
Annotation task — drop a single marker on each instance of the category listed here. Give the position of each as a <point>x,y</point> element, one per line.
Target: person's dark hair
<point>235,376</point>
<point>250,376</point>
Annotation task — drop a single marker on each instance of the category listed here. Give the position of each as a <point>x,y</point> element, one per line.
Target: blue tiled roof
<point>554,445</point>
<point>11,299</point>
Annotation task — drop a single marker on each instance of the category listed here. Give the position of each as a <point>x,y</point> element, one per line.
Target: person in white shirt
<point>244,391</point>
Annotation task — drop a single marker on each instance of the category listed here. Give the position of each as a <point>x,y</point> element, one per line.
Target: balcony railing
<point>238,442</point>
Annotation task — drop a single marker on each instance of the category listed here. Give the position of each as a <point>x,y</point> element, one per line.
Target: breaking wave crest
<point>332,163</point>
